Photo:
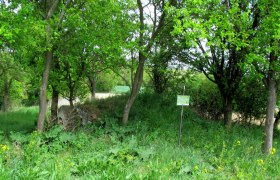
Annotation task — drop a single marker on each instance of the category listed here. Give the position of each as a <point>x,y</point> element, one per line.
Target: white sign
<point>183,100</point>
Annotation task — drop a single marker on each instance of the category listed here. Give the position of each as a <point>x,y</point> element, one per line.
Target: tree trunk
<point>93,88</point>
<point>269,122</point>
<point>138,79</point>
<point>135,88</point>
<point>159,79</point>
<point>6,97</point>
<point>54,106</point>
<point>43,92</point>
<point>132,70</point>
<point>55,91</point>
<point>228,111</point>
<point>277,120</point>
<point>51,6</point>
<point>71,103</point>
<point>71,97</point>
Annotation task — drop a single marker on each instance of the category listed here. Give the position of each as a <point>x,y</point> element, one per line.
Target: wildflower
<point>4,147</point>
<point>273,151</point>
<point>260,162</point>
<point>238,143</point>
<point>220,168</point>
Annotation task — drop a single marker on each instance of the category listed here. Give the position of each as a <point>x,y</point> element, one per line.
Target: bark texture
<point>140,69</point>
<point>228,111</point>
<point>92,81</point>
<point>54,106</point>
<point>135,89</point>
<point>43,92</point>
<point>269,122</point>
<point>6,97</point>
<point>50,8</point>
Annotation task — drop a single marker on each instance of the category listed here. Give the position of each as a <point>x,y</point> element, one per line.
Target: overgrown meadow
<point>147,148</point>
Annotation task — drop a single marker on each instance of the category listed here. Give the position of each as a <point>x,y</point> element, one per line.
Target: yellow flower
<point>220,168</point>
<point>4,147</point>
<point>273,151</point>
<point>260,162</point>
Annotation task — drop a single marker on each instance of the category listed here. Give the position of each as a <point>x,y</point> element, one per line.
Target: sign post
<point>182,100</point>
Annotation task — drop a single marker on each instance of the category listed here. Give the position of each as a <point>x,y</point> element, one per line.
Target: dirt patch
<point>63,101</point>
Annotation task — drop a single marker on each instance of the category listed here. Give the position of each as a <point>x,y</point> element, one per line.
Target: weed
<point>144,149</point>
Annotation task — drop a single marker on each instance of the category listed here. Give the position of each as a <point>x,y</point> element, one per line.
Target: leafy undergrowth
<point>147,148</point>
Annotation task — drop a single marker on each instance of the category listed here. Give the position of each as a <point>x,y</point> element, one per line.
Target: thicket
<point>249,102</point>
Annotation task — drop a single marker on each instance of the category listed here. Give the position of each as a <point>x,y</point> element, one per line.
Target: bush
<point>205,96</point>
<point>251,99</point>
<point>146,148</point>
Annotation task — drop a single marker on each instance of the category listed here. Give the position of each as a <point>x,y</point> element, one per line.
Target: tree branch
<point>207,76</point>
<point>51,10</point>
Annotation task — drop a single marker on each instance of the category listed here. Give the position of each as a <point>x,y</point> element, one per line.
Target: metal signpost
<point>182,100</point>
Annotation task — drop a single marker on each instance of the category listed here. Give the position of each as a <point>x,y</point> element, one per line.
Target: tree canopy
<point>53,48</point>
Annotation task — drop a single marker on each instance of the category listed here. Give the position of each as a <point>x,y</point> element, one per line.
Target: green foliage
<point>144,149</point>
<point>94,36</point>
<point>105,81</point>
<point>21,34</point>
<point>217,37</point>
<point>22,120</point>
<point>205,97</point>
<point>251,99</point>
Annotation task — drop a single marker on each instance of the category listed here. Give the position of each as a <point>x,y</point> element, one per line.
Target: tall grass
<point>20,120</point>
<point>147,148</point>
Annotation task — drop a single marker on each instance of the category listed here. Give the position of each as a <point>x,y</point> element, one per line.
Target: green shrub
<point>251,99</point>
<point>146,148</point>
<point>205,97</point>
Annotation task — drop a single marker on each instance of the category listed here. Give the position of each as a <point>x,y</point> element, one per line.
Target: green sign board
<point>120,89</point>
<point>183,100</point>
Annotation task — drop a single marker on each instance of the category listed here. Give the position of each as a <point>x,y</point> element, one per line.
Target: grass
<point>20,120</point>
<point>147,148</point>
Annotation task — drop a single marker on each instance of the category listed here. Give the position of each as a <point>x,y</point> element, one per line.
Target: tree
<point>216,35</point>
<point>145,42</point>
<point>163,53</point>
<point>109,26</point>
<point>251,102</point>
<point>50,8</point>
<point>89,41</point>
<point>265,58</point>
<point>19,32</point>
<point>7,68</point>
